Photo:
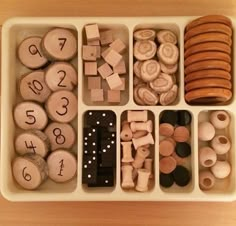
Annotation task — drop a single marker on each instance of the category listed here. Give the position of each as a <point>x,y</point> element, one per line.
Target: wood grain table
<point>115,213</point>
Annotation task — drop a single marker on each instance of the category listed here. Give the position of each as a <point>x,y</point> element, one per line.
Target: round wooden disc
<point>208,37</point>
<point>207,83</point>
<point>209,27</point>
<point>209,19</point>
<point>207,46</point>
<point>210,55</point>
<point>208,96</point>
<point>208,64</point>
<point>207,74</point>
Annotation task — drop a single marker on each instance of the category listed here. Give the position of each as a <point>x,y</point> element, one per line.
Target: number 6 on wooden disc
<point>62,106</point>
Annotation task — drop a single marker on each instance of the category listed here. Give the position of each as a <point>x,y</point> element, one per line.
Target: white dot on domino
<point>94,130</point>
<point>86,138</point>
<point>106,181</point>
<point>104,114</point>
<point>111,124</point>
<point>98,122</point>
<point>108,146</point>
<point>94,143</point>
<point>89,175</point>
<point>89,162</point>
<point>90,113</point>
<point>85,166</point>
<point>112,142</point>
<point>90,134</point>
<point>104,150</point>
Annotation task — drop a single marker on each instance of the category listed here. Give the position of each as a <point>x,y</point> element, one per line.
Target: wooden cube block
<point>118,46</point>
<point>94,82</point>
<point>93,43</point>
<point>90,68</point>
<point>120,68</point>
<point>97,95</point>
<point>92,32</point>
<point>113,58</point>
<point>106,37</point>
<point>113,96</point>
<point>122,87</point>
<point>105,52</point>
<point>98,51</point>
<point>105,70</point>
<point>114,81</point>
<point>89,53</point>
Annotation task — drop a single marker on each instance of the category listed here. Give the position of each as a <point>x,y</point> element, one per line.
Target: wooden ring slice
<point>208,64</point>
<point>209,19</point>
<point>208,37</point>
<point>209,27</point>
<point>208,46</point>
<point>210,55</point>
<point>208,83</point>
<point>208,96</point>
<point>207,74</point>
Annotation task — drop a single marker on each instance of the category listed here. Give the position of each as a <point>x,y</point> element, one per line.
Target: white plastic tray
<point>14,30</point>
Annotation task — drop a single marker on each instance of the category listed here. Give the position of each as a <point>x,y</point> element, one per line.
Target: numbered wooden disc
<point>60,135</point>
<point>30,171</point>
<point>35,142</point>
<point>60,44</point>
<point>32,86</point>
<point>30,53</point>
<point>61,76</point>
<point>62,106</point>
<point>62,166</point>
<point>29,115</point>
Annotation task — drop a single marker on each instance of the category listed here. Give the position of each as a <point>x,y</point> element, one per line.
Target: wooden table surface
<point>115,213</point>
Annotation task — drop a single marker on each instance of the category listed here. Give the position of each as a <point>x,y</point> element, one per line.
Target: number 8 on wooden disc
<point>62,106</point>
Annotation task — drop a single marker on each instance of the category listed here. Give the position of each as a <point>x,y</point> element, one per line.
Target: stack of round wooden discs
<point>208,60</point>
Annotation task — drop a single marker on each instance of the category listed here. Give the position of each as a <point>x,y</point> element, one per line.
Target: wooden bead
<point>113,96</point>
<point>105,70</point>
<point>90,68</point>
<point>150,70</point>
<point>60,135</point>
<point>114,81</point>
<point>118,46</point>
<point>206,180</point>
<point>142,182</point>
<point>34,141</point>
<point>181,134</point>
<point>30,171</point>
<point>138,142</point>
<point>221,169</point>
<point>97,95</point>
<point>29,115</point>
<point>62,166</point>
<point>167,164</point>
<point>221,144</point>
<point>138,116</point>
<point>168,53</point>
<point>94,83</point>
<point>220,119</point>
<point>32,86</point>
<point>127,179</point>
<point>144,34</point>
<point>206,131</point>
<point>60,44</point>
<point>61,76</point>
<point>207,156</point>
<point>144,126</point>
<point>166,36</point>
<point>89,53</point>
<point>127,152</point>
<point>62,106</point>
<point>126,133</point>
<point>144,50</point>
<point>30,53</point>
<point>92,32</point>
<point>106,37</point>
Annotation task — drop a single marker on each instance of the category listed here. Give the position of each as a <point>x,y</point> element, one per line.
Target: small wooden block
<point>97,95</point>
<point>89,53</point>
<point>105,70</point>
<point>114,81</point>
<point>92,32</point>
<point>98,51</point>
<point>120,68</point>
<point>105,52</point>
<point>90,68</point>
<point>118,46</point>
<point>113,58</point>
<point>122,87</point>
<point>94,83</point>
<point>106,37</point>
<point>113,96</point>
<point>93,43</point>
